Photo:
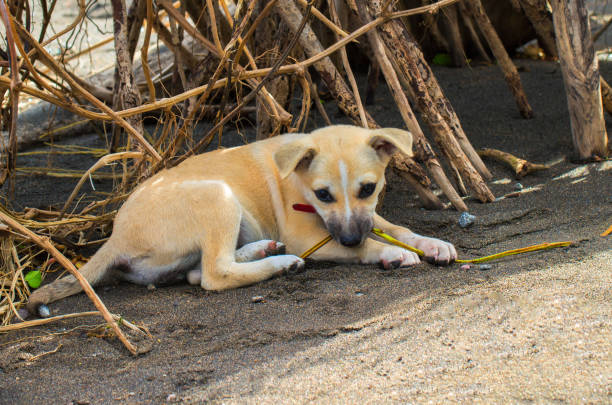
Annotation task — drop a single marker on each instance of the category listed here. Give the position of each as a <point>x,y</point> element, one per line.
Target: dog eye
<point>366,190</point>
<point>324,195</point>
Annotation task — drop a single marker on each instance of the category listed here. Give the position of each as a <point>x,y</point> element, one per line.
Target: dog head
<point>340,171</point>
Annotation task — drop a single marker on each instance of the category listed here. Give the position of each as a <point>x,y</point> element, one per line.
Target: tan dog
<point>221,219</point>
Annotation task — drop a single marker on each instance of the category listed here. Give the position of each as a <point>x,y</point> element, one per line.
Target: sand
<point>533,328</point>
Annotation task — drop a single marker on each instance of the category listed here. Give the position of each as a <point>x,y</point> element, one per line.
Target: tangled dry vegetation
<point>212,61</point>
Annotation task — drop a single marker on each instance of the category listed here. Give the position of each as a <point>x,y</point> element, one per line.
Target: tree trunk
<point>581,77</point>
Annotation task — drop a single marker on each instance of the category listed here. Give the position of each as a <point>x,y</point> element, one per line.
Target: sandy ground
<point>534,328</point>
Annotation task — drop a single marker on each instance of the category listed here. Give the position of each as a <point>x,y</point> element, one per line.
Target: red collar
<point>304,208</point>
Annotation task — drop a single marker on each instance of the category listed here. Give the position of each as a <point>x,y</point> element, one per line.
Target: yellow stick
<point>391,239</point>
<point>607,231</point>
<point>316,247</point>
<point>542,246</point>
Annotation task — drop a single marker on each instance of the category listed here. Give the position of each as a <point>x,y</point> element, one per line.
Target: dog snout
<point>351,233</point>
<point>350,240</point>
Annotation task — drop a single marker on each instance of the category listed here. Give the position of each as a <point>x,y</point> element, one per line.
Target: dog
<point>225,219</point>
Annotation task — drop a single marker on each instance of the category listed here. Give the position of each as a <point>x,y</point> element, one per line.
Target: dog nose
<point>350,240</point>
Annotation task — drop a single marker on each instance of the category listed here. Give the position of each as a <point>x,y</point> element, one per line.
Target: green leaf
<point>442,59</point>
<point>33,279</point>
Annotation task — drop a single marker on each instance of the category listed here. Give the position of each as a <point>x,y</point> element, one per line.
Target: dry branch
<point>14,88</point>
<point>469,25</point>
<point>423,149</point>
<point>505,63</point>
<point>454,36</point>
<point>541,20</point>
<point>337,86</point>
<point>606,95</point>
<point>126,94</point>
<point>410,62</point>
<point>520,166</point>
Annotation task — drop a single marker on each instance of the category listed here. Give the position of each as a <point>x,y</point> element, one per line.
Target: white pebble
<point>466,219</point>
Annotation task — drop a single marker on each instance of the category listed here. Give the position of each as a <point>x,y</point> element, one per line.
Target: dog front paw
<point>393,257</point>
<point>288,264</point>
<point>436,251</point>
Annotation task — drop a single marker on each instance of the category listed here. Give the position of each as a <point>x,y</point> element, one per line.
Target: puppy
<point>225,219</point>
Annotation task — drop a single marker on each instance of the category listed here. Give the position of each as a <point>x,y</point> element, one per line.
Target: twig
<point>52,319</point>
<point>38,356</point>
<point>335,27</point>
<point>104,160</point>
<point>317,100</point>
<point>213,25</point>
<point>254,92</point>
<point>48,59</point>
<point>144,52</point>
<point>511,75</point>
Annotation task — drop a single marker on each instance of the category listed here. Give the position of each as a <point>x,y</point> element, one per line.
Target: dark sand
<point>534,328</point>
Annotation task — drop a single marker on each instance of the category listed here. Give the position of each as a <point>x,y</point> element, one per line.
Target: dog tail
<point>94,271</point>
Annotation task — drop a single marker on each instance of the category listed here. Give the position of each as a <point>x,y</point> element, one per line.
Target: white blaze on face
<point>345,190</point>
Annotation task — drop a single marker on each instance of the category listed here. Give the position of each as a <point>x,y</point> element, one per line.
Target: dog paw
<point>393,257</point>
<point>259,250</point>
<point>436,251</point>
<point>288,264</point>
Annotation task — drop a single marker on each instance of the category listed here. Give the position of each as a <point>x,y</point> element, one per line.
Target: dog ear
<point>386,141</point>
<point>293,156</point>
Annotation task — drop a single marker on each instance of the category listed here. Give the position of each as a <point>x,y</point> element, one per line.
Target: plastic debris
<point>466,219</point>
<point>518,186</point>
<point>466,267</point>
<point>484,267</point>
<point>257,298</point>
